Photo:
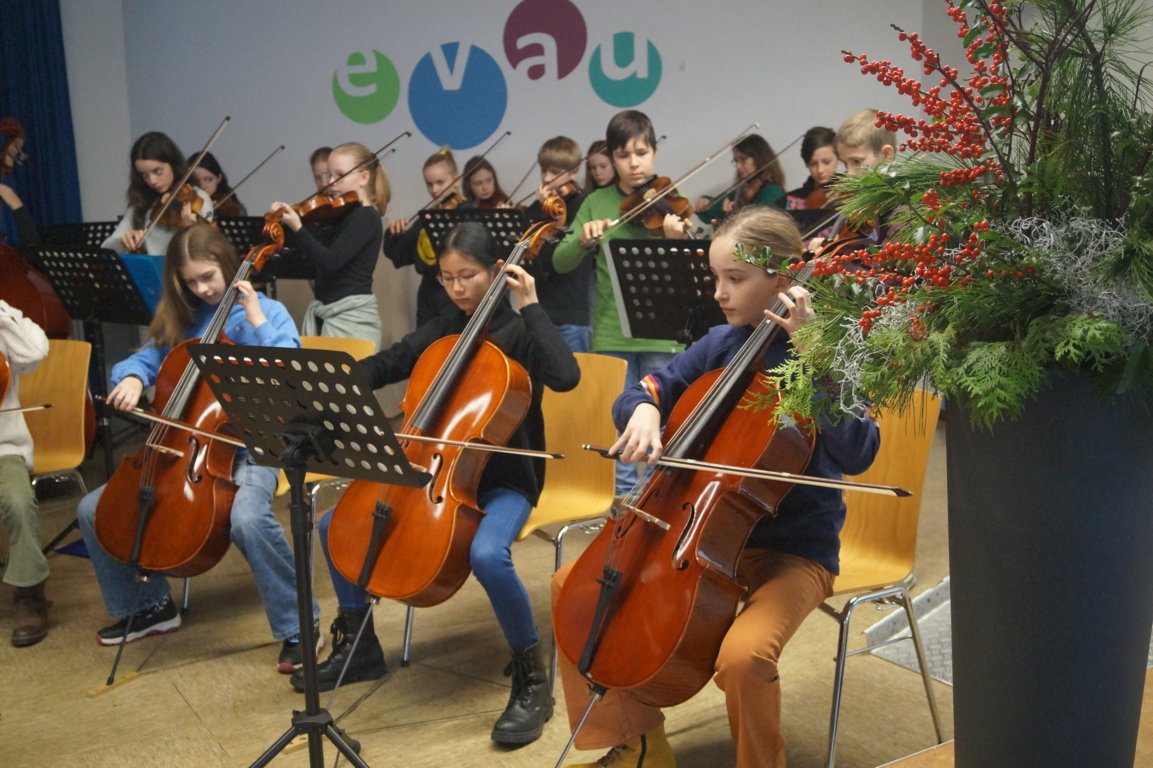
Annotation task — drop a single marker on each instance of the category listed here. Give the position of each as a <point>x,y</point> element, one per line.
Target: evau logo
<point>458,94</point>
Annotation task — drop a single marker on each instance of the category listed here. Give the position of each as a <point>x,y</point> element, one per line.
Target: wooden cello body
<point>411,544</point>
<point>168,507</point>
<point>422,556</point>
<point>646,606</point>
<point>178,487</point>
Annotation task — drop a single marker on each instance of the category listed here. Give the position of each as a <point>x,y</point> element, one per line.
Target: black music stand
<point>95,287</point>
<point>506,225</point>
<point>306,409</point>
<point>663,288</point>
<point>92,233</point>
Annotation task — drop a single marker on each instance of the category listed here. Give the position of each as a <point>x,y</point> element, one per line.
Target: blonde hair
<point>442,155</point>
<point>860,128</point>
<point>379,190</point>
<point>757,227</point>
<point>199,242</point>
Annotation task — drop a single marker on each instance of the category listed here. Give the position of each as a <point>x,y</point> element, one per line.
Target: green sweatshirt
<point>605,203</point>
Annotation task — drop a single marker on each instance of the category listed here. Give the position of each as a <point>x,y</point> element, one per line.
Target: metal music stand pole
<point>305,409</point>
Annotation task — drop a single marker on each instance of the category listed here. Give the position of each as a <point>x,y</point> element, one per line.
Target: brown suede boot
<point>30,615</point>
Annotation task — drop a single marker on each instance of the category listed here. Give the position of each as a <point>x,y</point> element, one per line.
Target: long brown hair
<point>755,146</point>
<point>151,146</point>
<point>379,190</point>
<point>174,312</point>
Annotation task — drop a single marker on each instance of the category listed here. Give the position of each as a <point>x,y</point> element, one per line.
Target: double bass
<point>411,544</point>
<point>167,508</point>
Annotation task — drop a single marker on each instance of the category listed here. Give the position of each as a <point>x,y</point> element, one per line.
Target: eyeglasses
<point>462,279</point>
<point>738,159</point>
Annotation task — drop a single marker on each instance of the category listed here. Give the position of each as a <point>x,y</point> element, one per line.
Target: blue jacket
<point>809,518</point>
<point>279,331</point>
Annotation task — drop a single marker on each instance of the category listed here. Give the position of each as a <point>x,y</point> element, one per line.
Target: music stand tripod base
<point>305,410</point>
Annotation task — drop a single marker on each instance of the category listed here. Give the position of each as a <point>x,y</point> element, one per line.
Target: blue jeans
<point>578,337</point>
<point>641,364</point>
<point>505,512</point>
<point>256,533</point>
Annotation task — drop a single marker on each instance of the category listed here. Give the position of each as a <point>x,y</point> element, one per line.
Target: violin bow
<point>148,416</point>
<point>375,156</point>
<point>651,201</point>
<point>456,179</point>
<point>523,179</point>
<point>25,408</point>
<point>754,174</point>
<point>183,180</point>
<point>236,186</point>
<point>768,474</point>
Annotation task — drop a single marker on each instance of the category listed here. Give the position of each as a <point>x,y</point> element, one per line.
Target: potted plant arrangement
<point>1017,280</point>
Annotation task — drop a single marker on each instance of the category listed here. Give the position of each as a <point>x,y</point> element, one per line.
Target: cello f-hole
<point>434,468</point>
<point>680,562</point>
<point>194,453</point>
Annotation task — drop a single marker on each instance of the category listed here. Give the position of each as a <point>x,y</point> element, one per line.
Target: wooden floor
<point>209,695</point>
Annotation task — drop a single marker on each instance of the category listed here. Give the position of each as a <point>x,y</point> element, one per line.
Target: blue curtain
<point>34,90</point>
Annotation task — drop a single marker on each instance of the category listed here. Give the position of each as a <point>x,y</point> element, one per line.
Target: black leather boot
<point>367,660</point>
<point>530,703</point>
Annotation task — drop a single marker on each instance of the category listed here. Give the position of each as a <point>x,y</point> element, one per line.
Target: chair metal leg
<point>187,594</point>
<point>409,617</point>
<point>77,478</point>
<point>915,633</point>
<point>844,618</point>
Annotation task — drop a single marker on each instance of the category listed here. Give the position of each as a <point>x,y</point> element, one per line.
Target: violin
<point>654,200</point>
<point>171,215</point>
<point>319,209</point>
<point>749,190</point>
<point>412,544</point>
<point>167,508</point>
<point>818,198</point>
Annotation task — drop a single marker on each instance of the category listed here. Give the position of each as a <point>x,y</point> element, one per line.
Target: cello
<point>167,508</point>
<point>668,565</point>
<point>412,544</point>
<point>646,606</point>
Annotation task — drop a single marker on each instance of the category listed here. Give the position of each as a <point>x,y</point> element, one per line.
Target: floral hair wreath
<point>764,258</point>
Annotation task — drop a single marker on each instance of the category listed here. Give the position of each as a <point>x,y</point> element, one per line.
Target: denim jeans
<point>491,560</point>
<point>578,337</point>
<point>256,533</point>
<point>640,364</point>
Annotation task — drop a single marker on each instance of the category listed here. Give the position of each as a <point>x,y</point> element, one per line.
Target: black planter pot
<point>1051,564</point>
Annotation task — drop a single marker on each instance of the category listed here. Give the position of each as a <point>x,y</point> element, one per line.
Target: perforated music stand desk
<point>305,409</point>
<point>663,288</point>
<point>506,224</point>
<point>95,286</point>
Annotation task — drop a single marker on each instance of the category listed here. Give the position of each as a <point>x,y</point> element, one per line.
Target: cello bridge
<point>165,449</point>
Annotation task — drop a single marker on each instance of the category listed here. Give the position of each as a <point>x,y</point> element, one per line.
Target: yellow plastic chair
<point>58,447</point>
<point>61,379</point>
<point>579,487</point>
<point>879,541</point>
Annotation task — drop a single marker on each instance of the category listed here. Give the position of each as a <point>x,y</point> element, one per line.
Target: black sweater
<point>528,338</point>
<point>345,256</point>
